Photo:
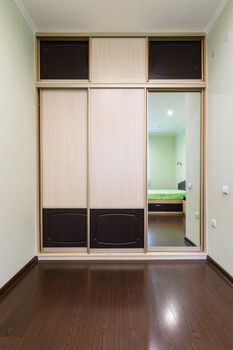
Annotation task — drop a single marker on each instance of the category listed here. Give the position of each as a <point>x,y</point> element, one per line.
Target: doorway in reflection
<point>174,169</point>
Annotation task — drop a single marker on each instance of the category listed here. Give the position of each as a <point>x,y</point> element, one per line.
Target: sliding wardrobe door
<point>64,167</point>
<point>117,147</point>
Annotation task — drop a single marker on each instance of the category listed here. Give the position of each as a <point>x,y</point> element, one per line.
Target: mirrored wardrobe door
<point>174,168</point>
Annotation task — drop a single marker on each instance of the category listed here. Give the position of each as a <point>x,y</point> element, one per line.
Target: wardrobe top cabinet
<point>175,59</point>
<point>121,59</point>
<point>118,60</point>
<point>64,59</point>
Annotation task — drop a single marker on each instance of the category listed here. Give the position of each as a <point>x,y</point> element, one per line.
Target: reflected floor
<point>166,230</point>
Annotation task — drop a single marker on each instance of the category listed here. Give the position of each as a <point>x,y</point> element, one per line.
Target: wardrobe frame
<point>171,85</point>
<point>202,175</point>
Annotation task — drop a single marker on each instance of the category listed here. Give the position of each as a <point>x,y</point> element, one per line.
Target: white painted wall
<point>220,139</point>
<point>192,148</point>
<point>17,142</point>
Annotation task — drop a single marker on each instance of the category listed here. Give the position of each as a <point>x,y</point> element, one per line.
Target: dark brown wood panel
<point>175,59</point>
<point>165,207</point>
<point>165,305</point>
<point>117,228</point>
<point>64,59</point>
<point>64,227</point>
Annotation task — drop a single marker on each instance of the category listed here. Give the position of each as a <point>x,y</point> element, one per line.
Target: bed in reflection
<point>167,200</point>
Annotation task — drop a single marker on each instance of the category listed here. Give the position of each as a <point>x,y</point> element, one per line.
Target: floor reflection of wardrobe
<point>115,190</point>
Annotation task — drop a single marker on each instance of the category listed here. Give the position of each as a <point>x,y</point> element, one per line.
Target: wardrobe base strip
<point>125,256</point>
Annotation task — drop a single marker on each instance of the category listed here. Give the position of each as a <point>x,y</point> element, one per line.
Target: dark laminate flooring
<point>118,306</point>
<point>166,230</point>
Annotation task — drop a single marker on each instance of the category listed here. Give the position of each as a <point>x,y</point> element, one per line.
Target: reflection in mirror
<point>173,170</point>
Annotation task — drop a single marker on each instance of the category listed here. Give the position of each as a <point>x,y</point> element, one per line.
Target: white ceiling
<point>121,15</point>
<point>159,122</point>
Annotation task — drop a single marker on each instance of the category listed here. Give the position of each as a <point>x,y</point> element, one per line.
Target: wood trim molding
<point>74,84</point>
<point>220,269</point>
<point>125,256</point>
<point>23,10</point>
<point>120,34</point>
<point>165,201</point>
<point>215,16</point>
<point>15,279</point>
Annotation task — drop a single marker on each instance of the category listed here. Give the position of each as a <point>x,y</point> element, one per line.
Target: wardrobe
<point>93,134</point>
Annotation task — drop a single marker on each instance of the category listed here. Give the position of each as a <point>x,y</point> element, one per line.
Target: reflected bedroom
<point>173,169</point>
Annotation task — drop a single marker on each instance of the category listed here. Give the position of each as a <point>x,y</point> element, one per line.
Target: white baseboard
<point>124,256</point>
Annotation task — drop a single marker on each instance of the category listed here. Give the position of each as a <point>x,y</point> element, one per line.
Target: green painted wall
<point>220,140</point>
<point>17,142</point>
<point>165,151</point>
<point>162,161</point>
<point>180,156</point>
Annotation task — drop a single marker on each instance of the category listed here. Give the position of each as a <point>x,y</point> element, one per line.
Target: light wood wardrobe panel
<point>117,148</point>
<point>64,148</point>
<point>118,60</point>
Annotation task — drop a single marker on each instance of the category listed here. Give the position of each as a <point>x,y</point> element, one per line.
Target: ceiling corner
<point>26,15</point>
<point>215,16</point>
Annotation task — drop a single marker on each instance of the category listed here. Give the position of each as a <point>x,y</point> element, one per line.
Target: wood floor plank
<point>7,343</point>
<point>174,332</point>
<point>210,308</point>
<point>162,305</point>
<point>186,311</point>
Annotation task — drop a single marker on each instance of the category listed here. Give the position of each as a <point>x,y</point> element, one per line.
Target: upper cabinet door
<point>175,59</point>
<point>64,59</point>
<point>117,148</point>
<point>64,148</point>
<point>118,60</point>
